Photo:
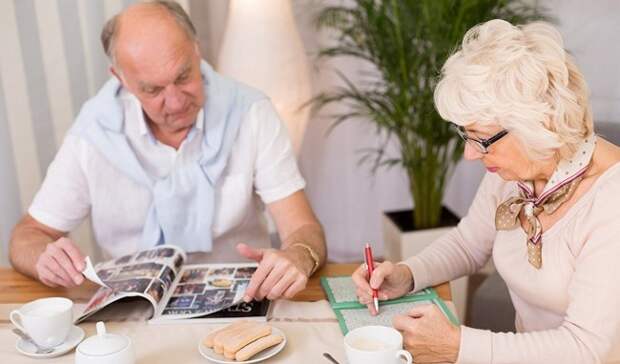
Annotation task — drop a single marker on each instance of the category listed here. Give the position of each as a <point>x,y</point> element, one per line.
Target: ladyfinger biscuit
<point>229,355</point>
<point>221,339</point>
<point>235,343</point>
<point>258,346</point>
<point>208,341</point>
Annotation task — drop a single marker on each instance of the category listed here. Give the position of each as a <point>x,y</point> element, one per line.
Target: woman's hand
<point>428,335</point>
<point>391,280</point>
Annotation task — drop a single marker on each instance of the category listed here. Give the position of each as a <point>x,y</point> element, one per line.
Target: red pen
<point>370,266</point>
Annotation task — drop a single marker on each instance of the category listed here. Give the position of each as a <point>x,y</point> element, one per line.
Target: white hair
<point>521,78</point>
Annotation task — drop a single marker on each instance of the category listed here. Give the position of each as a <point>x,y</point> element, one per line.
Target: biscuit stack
<point>242,340</point>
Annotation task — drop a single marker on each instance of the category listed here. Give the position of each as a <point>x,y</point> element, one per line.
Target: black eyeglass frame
<point>482,144</point>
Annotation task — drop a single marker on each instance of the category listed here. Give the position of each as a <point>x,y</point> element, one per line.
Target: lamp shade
<point>262,48</point>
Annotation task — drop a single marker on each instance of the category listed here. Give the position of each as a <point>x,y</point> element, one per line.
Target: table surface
<point>17,288</point>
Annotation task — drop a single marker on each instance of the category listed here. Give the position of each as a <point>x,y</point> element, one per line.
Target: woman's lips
<point>492,169</point>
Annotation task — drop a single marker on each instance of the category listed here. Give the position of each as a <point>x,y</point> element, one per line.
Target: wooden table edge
<point>18,288</point>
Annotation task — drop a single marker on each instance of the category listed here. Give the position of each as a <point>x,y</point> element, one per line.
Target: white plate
<point>75,337</point>
<point>263,355</point>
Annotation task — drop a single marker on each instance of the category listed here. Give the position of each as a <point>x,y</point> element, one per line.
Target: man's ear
<point>116,74</point>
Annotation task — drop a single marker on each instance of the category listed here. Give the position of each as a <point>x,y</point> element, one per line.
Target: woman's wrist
<point>407,275</point>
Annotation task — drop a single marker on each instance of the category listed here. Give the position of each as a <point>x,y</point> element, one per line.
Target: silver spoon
<point>25,337</point>
<point>330,358</point>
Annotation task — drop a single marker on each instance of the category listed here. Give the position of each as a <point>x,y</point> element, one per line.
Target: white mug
<point>375,344</point>
<point>47,321</point>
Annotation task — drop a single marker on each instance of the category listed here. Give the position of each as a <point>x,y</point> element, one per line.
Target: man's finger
<point>300,284</point>
<point>46,275</point>
<point>48,282</point>
<point>77,258</point>
<point>282,285</point>
<point>257,279</point>
<point>48,261</point>
<point>277,273</point>
<point>250,253</point>
<point>61,256</point>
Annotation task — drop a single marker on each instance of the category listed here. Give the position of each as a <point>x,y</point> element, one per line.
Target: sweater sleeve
<point>591,326</point>
<point>464,249</point>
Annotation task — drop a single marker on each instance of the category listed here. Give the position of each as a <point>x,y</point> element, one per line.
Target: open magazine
<point>175,290</point>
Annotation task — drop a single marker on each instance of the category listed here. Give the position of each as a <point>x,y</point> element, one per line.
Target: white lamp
<point>262,48</point>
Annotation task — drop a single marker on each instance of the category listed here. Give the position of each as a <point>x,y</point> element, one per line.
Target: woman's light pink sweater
<point>566,312</point>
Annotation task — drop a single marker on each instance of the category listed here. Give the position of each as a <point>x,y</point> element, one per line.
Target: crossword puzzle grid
<point>343,289</point>
<point>356,318</point>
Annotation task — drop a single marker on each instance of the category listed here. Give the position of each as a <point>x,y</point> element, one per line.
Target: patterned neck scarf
<point>558,190</point>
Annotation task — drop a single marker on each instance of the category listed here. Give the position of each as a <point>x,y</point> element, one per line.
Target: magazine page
<point>148,274</point>
<point>204,289</point>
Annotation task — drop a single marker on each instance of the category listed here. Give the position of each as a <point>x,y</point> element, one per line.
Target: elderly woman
<point>547,210</point>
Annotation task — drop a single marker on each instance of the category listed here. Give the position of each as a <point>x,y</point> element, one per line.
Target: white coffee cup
<point>375,344</point>
<point>47,320</point>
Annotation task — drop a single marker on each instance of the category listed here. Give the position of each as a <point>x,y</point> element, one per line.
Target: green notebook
<point>351,314</point>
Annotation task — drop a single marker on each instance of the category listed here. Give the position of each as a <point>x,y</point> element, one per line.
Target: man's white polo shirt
<point>80,181</point>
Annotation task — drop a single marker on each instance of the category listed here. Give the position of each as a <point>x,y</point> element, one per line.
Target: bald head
<point>158,17</point>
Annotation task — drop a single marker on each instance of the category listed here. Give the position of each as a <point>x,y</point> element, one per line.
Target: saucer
<point>263,355</point>
<point>75,336</point>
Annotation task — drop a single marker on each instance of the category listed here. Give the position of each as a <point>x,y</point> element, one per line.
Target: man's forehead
<point>156,64</point>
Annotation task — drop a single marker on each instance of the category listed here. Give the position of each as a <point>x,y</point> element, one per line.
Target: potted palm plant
<point>407,42</point>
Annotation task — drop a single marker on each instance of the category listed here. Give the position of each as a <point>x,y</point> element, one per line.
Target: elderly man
<point>171,152</point>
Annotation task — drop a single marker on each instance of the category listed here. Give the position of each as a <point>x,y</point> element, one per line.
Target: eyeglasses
<point>481,144</point>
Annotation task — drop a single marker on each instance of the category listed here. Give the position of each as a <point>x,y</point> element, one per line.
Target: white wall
<point>591,31</point>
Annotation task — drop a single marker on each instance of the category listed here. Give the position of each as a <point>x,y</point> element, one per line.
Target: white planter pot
<point>399,245</point>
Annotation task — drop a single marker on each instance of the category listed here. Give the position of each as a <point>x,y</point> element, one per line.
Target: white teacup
<point>375,344</point>
<point>47,320</point>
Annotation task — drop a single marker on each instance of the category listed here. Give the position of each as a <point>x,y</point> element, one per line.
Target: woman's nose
<point>471,152</point>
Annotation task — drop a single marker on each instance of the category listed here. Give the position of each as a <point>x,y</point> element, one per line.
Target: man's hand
<point>61,264</point>
<point>428,335</point>
<point>280,273</point>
